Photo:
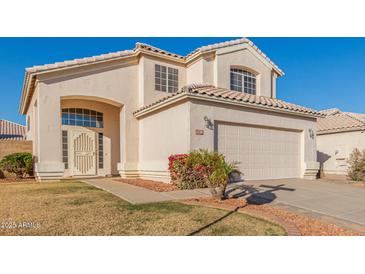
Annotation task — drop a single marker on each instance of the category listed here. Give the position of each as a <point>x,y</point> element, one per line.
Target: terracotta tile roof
<point>338,121</point>
<point>143,46</point>
<point>157,50</point>
<point>11,131</point>
<point>207,91</point>
<point>232,43</point>
<point>82,61</point>
<point>29,78</point>
<point>102,57</point>
<point>330,111</point>
<point>359,116</point>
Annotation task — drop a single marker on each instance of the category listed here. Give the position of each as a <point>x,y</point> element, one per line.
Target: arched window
<point>243,80</point>
<point>82,117</point>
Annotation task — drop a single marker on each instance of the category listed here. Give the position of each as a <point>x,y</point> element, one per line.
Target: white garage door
<point>262,153</point>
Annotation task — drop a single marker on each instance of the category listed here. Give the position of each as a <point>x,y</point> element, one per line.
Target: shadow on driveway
<point>255,195</point>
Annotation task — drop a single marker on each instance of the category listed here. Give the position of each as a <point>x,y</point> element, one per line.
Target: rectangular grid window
<point>243,81</point>
<point>100,150</point>
<point>166,79</point>
<point>82,117</point>
<point>65,148</point>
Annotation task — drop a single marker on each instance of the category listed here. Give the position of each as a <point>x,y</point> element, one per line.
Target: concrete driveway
<point>341,201</point>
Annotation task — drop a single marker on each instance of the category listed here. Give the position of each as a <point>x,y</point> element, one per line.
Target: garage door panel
<point>262,153</point>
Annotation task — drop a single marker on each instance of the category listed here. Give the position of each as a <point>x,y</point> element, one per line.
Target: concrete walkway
<point>139,195</point>
<point>340,201</point>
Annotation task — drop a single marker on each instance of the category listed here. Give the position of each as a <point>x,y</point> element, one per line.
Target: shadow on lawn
<point>253,196</point>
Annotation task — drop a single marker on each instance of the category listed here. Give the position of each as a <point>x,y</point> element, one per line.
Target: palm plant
<point>214,169</point>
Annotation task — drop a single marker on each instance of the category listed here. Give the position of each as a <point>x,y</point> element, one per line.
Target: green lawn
<point>75,208</point>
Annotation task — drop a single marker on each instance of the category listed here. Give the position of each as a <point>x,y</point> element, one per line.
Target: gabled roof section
<point>11,131</point>
<point>157,50</point>
<point>32,72</point>
<point>230,43</point>
<point>337,121</point>
<point>208,92</point>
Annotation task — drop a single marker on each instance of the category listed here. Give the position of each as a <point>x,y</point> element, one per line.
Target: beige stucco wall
<point>115,85</point>
<point>241,57</point>
<point>173,130</point>
<point>162,134</point>
<point>32,133</point>
<point>215,69</point>
<point>194,72</point>
<point>201,71</point>
<point>241,115</point>
<point>110,130</point>
<point>335,149</point>
<point>147,92</point>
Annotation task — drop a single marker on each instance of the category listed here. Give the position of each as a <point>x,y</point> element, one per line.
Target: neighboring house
<point>11,131</point>
<point>338,134</point>
<point>12,139</point>
<point>126,112</point>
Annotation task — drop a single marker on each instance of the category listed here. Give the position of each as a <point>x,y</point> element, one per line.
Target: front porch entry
<point>83,153</point>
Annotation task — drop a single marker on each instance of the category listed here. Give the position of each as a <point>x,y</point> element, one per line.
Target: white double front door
<point>83,152</point>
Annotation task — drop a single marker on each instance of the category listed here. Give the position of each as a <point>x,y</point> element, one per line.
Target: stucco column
<point>311,165</point>
<point>129,144</point>
<point>49,163</point>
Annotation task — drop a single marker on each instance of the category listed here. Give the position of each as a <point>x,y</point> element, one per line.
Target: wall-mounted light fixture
<point>311,133</point>
<point>208,123</point>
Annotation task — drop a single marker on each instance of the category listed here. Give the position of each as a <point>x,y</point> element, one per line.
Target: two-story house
<point>126,112</point>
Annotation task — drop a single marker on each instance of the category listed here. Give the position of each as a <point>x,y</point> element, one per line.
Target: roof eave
<point>173,99</point>
<point>340,130</point>
<point>25,91</point>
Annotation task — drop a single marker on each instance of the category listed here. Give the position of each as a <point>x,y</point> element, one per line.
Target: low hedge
<point>20,164</point>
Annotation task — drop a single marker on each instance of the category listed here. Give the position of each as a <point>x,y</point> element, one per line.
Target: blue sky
<point>319,72</point>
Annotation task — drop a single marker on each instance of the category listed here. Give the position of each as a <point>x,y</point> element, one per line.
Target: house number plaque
<point>199,132</point>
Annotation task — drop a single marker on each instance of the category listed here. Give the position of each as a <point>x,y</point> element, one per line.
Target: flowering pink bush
<point>201,168</point>
<point>177,159</point>
<point>185,175</point>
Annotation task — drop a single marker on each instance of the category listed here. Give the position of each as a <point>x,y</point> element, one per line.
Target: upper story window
<point>82,117</point>
<point>166,79</point>
<point>242,80</point>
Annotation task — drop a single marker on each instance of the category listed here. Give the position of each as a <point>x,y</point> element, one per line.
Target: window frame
<point>100,150</point>
<point>246,80</point>
<point>65,153</point>
<point>82,117</point>
<point>166,79</point>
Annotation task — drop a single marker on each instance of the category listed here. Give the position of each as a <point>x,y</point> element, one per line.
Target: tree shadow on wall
<point>322,158</point>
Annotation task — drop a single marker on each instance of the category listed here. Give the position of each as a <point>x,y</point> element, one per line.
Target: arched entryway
<point>90,131</point>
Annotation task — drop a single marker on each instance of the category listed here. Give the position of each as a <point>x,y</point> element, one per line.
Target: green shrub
<point>202,168</point>
<point>21,164</point>
<point>184,176</point>
<point>356,169</point>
